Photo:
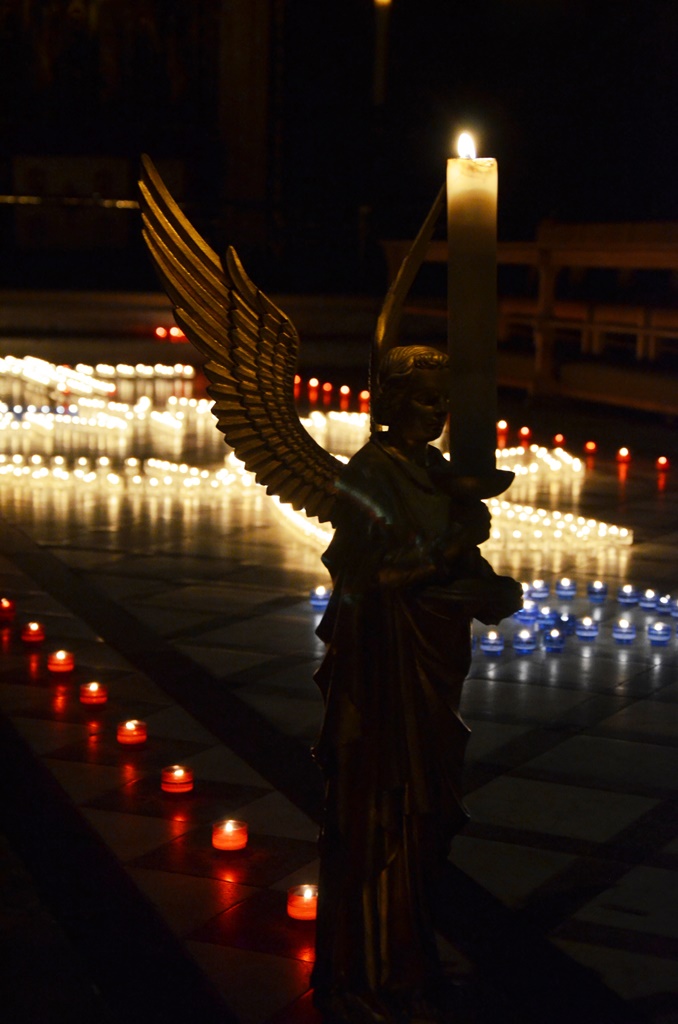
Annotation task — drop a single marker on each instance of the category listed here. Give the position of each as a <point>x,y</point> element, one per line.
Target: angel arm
<point>252,349</point>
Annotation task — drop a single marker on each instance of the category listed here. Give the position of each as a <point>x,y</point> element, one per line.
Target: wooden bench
<point>595,324</point>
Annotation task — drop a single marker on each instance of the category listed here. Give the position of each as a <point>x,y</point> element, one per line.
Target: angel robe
<point>392,742</point>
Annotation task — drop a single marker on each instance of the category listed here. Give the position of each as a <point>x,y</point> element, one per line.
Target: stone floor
<point>195,614</point>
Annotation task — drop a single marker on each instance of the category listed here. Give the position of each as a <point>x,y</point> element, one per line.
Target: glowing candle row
<point>624,632</point>
<point>231,835</point>
<point>228,835</point>
<point>597,591</point>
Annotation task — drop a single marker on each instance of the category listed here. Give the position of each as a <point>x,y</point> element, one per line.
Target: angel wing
<point>252,349</point>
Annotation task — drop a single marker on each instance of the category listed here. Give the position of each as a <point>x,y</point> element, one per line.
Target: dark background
<point>577,100</point>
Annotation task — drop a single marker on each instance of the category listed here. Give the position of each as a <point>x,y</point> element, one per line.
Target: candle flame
<point>308,893</point>
<point>131,725</point>
<point>93,687</point>
<point>466,147</point>
<point>228,827</point>
<point>178,773</point>
<point>587,621</point>
<point>624,623</point>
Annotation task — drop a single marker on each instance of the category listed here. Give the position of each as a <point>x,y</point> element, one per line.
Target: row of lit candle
<point>65,379</point>
<point>553,636</point>
<point>512,524</point>
<point>85,380</point>
<point>597,592</point>
<point>35,370</point>
<point>232,835</point>
<point>539,455</point>
<point>524,433</point>
<point>228,834</point>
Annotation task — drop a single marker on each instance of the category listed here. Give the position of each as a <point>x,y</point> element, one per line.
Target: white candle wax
<point>472,305</point>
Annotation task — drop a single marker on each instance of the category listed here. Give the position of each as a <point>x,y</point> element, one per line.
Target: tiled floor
<point>203,629</point>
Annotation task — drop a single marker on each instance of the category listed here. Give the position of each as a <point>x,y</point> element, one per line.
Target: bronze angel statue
<point>408,578</point>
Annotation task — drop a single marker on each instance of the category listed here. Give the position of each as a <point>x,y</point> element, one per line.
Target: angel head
<point>412,395</point>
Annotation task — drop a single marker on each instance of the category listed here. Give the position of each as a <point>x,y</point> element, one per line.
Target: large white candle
<point>472,306</point>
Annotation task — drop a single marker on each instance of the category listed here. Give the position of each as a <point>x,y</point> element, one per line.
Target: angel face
<point>423,411</point>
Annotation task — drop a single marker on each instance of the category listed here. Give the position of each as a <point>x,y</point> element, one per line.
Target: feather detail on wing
<point>252,349</point>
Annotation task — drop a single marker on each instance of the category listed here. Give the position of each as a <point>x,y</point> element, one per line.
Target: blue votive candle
<point>659,634</point>
<point>664,605</point>
<point>528,613</point>
<point>524,641</point>
<point>624,632</point>
<point>320,597</point>
<point>566,623</point>
<point>547,617</point>
<point>597,591</point>
<point>648,600</point>
<point>566,589</point>
<point>492,643</point>
<point>627,595</point>
<point>538,590</point>
<point>586,628</point>
<point>554,641</point>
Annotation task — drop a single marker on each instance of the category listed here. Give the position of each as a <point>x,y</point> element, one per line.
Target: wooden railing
<point>594,324</point>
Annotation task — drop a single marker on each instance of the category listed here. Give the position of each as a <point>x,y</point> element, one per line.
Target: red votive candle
<point>60,661</point>
<point>93,693</point>
<point>132,733</point>
<point>7,609</point>
<point>229,835</point>
<point>176,779</point>
<point>302,902</point>
<point>33,633</point>
<point>623,455</point>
